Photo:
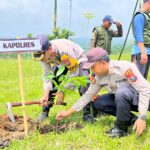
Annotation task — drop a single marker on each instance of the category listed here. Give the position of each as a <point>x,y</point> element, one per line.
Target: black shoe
<point>88,118</point>
<point>115,132</point>
<point>42,117</point>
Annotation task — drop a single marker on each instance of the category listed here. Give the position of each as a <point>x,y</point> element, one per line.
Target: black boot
<point>87,116</point>
<point>132,120</point>
<point>43,116</point>
<point>120,129</point>
<point>95,112</point>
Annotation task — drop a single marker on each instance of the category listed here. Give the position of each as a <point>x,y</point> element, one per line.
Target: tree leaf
<point>55,83</point>
<point>60,71</point>
<point>61,78</point>
<point>50,76</point>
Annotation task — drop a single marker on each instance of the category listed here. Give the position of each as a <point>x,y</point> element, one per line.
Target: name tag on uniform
<point>120,81</point>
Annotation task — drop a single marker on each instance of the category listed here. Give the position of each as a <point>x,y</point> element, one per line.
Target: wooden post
<point>18,46</point>
<point>22,94</point>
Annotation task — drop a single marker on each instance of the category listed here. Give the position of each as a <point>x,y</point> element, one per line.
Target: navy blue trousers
<point>119,104</point>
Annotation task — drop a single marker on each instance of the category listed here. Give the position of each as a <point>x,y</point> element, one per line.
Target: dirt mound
<point>10,130</point>
<point>59,128</point>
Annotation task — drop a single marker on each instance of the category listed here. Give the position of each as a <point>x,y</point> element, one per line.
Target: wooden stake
<point>22,94</point>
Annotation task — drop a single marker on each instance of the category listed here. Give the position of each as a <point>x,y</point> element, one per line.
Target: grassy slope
<point>91,137</point>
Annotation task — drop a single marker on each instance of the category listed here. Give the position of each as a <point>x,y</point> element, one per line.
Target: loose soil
<point>10,130</point>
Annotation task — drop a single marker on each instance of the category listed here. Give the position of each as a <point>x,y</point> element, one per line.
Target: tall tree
<point>55,17</point>
<point>30,35</point>
<point>70,17</point>
<point>88,16</point>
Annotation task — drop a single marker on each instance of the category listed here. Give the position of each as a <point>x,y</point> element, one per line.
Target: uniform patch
<point>130,75</point>
<point>71,63</point>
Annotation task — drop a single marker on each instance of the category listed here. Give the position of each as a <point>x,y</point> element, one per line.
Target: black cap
<point>45,43</point>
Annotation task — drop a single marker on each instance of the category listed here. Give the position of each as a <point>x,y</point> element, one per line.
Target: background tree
<point>61,34</point>
<point>29,35</point>
<point>70,17</point>
<point>88,16</point>
<point>55,17</point>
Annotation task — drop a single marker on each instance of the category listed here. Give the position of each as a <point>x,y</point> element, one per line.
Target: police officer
<point>141,30</point>
<point>102,35</point>
<point>128,91</point>
<point>60,52</point>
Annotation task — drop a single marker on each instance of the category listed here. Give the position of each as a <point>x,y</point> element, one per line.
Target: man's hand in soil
<point>139,126</point>
<point>64,114</point>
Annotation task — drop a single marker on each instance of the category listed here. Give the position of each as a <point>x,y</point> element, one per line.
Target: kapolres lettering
<point>18,45</point>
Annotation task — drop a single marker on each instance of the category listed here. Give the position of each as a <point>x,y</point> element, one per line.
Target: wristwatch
<point>143,117</point>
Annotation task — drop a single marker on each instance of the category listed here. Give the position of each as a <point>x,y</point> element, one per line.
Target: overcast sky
<point>20,17</point>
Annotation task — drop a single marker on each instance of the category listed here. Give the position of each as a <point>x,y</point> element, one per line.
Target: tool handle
<point>63,103</point>
<point>15,104</point>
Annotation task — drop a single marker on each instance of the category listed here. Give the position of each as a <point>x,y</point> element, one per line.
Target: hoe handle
<point>15,104</point>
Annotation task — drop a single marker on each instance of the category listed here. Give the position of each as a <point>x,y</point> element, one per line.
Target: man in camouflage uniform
<point>102,35</point>
<point>141,31</point>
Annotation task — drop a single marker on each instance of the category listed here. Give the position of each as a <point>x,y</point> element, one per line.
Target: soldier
<point>61,52</point>
<point>141,30</point>
<point>128,91</point>
<point>102,35</point>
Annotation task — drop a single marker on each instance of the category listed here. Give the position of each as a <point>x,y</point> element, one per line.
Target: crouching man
<point>61,52</point>
<point>128,91</point>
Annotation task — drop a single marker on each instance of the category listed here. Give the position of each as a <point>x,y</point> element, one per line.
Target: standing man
<point>102,35</point>
<point>129,91</point>
<point>141,32</point>
<point>61,52</point>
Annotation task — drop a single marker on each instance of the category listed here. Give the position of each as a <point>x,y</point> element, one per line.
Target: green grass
<point>91,137</point>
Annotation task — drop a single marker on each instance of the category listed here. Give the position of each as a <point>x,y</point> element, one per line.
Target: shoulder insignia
<point>130,75</point>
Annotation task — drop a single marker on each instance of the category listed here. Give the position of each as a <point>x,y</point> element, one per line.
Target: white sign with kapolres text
<point>19,45</point>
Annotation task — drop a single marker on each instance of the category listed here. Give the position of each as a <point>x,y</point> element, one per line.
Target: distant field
<point>91,137</point>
